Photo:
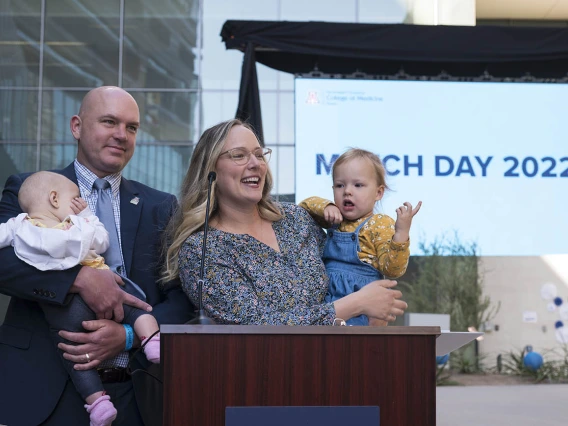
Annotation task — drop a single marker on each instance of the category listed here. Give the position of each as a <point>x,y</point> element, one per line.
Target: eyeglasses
<point>241,156</point>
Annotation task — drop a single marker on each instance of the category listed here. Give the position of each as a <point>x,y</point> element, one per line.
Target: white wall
<point>516,283</point>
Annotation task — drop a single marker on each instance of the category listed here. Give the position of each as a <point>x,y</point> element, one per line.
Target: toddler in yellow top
<point>361,247</point>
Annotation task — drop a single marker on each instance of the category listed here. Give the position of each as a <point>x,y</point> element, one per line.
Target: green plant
<point>512,363</point>
<point>443,375</point>
<point>553,370</point>
<point>446,279</point>
<point>467,359</point>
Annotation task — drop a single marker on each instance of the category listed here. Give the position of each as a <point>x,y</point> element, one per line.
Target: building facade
<point>167,54</point>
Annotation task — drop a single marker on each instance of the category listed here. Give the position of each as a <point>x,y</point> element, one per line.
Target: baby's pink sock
<point>152,349</point>
<point>102,412</point>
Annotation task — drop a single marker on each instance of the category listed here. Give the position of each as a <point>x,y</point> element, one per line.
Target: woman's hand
<point>377,299</point>
<point>380,301</point>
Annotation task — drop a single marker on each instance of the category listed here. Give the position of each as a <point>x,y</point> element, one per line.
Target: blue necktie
<point>113,257</point>
<point>105,213</point>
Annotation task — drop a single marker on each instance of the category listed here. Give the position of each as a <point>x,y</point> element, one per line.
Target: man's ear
<point>75,125</point>
<point>380,192</point>
<point>53,199</point>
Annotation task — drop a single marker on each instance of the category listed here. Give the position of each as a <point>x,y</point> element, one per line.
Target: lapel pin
<point>135,201</point>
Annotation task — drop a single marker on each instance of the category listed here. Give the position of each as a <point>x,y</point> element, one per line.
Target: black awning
<point>385,50</point>
<point>345,48</point>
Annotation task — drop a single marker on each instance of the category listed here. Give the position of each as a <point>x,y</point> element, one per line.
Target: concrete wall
<point>525,317</point>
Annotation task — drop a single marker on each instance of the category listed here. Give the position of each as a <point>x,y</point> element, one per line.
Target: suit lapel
<point>69,173</point>
<point>129,218</point>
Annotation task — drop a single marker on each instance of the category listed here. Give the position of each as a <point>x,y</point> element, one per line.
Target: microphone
<point>201,318</point>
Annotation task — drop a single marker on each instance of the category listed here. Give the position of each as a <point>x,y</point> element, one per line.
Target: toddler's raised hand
<point>404,215</point>
<point>78,205</point>
<point>332,215</point>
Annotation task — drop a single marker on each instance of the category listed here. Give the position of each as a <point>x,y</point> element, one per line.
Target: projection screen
<point>488,160</point>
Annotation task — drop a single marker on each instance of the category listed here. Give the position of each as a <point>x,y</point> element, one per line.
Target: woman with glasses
<point>263,258</point>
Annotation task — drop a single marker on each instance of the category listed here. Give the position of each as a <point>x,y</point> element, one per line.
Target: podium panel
<point>301,416</point>
<point>209,368</point>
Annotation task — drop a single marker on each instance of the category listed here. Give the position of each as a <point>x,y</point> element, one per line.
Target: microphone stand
<point>201,318</point>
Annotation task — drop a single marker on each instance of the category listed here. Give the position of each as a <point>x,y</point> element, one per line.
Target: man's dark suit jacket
<point>32,376</point>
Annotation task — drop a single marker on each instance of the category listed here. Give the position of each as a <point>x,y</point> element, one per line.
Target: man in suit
<point>34,387</point>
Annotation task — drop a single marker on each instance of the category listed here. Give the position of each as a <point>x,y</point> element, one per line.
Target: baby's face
<point>68,192</point>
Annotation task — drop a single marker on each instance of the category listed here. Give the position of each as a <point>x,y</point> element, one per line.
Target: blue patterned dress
<point>247,282</point>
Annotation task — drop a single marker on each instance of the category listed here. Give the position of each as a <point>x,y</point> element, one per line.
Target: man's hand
<point>103,340</point>
<point>78,205</point>
<point>101,292</point>
<point>404,215</point>
<point>332,214</point>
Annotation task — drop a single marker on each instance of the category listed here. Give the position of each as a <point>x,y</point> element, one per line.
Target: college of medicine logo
<point>312,98</point>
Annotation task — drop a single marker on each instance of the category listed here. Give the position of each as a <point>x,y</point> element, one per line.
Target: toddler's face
<point>355,188</point>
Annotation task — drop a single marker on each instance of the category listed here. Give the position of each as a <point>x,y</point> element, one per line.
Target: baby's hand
<point>78,205</point>
<point>332,215</point>
<point>404,215</point>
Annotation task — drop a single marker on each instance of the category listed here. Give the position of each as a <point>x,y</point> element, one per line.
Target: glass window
<point>160,166</point>
<point>270,117</point>
<point>56,156</point>
<point>160,40</point>
<point>285,170</point>
<point>18,115</point>
<point>221,68</point>
<point>286,81</point>
<point>386,11</point>
<point>218,106</point>
<point>81,43</point>
<point>16,158</point>
<point>58,106</point>
<point>286,118</point>
<point>318,10</point>
<point>20,26</point>
<point>167,116</point>
<point>164,116</point>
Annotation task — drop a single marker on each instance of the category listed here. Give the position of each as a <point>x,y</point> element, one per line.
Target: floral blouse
<point>375,239</point>
<point>247,282</point>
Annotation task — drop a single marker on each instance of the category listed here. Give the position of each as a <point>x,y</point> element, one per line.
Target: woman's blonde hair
<point>353,153</point>
<point>189,217</point>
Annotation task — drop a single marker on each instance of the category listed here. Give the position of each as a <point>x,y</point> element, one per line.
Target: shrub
<point>446,280</point>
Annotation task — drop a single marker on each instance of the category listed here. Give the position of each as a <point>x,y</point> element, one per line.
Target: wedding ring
<point>88,357</point>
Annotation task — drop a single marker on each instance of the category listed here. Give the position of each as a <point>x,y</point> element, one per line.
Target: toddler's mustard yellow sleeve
<point>390,258</point>
<point>315,206</point>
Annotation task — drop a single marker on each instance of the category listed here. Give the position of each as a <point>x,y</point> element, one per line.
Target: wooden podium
<point>210,367</point>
